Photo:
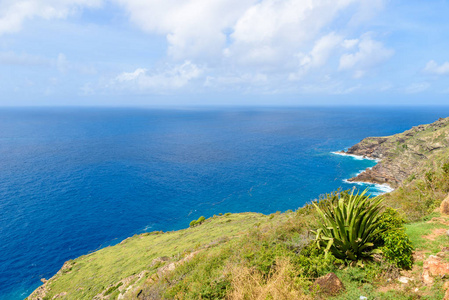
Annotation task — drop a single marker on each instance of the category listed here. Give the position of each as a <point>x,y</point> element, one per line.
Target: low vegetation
<point>368,243</point>
<point>253,256</point>
<point>350,226</point>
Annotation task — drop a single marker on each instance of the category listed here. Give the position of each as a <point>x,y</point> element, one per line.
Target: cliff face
<point>402,154</point>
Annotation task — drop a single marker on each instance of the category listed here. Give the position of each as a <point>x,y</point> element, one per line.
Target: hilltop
<point>403,154</point>
<point>254,256</point>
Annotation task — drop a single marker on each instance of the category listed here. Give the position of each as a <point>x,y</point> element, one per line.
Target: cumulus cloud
<point>174,77</point>
<point>244,32</point>
<point>369,53</point>
<point>14,12</point>
<point>318,56</point>
<point>193,28</point>
<point>271,30</point>
<point>433,68</point>
<point>237,42</point>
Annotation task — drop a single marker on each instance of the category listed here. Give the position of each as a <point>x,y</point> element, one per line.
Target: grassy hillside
<point>403,154</point>
<point>240,256</point>
<point>254,256</point>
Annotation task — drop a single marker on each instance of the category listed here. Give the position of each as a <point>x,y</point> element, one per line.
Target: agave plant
<point>349,226</point>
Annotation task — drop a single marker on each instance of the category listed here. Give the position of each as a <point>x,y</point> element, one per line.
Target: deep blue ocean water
<point>73,180</point>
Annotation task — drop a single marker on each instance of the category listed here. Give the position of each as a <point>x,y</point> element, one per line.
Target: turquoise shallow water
<point>74,180</point>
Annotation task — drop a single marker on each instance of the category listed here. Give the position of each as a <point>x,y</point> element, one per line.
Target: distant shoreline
<point>384,187</point>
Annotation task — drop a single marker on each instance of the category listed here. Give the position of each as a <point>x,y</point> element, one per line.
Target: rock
<point>159,260</point>
<point>434,266</point>
<point>404,279</point>
<point>329,284</point>
<point>444,207</point>
<point>44,280</point>
<point>60,295</point>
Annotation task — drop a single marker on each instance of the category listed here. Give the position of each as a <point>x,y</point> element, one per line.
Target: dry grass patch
<point>281,283</point>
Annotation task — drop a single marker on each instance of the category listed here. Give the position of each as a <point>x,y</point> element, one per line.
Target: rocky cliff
<point>401,155</point>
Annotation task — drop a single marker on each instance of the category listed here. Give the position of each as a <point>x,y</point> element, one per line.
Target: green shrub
<point>393,241</point>
<point>197,222</point>
<point>314,263</point>
<point>349,226</point>
<point>391,219</point>
<point>397,248</point>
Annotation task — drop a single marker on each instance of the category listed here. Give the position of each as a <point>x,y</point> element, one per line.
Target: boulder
<point>329,284</point>
<point>434,266</point>
<point>444,207</point>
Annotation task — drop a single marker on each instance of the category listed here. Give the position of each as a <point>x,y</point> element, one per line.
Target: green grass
<point>93,273</point>
<point>420,230</point>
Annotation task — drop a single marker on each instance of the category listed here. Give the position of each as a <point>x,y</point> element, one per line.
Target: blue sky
<point>223,52</point>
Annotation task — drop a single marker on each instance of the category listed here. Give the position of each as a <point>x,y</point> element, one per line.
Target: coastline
<point>357,157</point>
<point>382,188</point>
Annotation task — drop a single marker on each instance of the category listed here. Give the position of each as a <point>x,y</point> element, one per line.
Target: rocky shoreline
<point>400,155</point>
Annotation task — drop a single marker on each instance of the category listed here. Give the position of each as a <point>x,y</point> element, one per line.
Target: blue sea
<point>73,180</point>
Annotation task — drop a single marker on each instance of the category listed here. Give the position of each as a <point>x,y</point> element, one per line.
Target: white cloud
<point>433,68</point>
<point>370,53</point>
<point>14,12</point>
<point>318,56</point>
<point>174,77</point>
<point>265,34</point>
<point>271,32</point>
<point>193,28</point>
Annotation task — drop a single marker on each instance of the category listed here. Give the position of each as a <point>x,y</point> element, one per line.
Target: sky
<point>223,52</point>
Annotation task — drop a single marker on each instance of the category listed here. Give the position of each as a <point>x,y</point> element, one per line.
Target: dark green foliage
<point>395,244</point>
<point>397,248</point>
<point>391,219</point>
<point>314,263</point>
<point>197,222</point>
<point>349,226</point>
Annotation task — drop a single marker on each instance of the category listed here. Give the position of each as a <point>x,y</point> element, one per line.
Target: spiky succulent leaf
<point>349,225</point>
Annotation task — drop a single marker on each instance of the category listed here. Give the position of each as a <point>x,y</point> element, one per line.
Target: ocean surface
<point>73,180</point>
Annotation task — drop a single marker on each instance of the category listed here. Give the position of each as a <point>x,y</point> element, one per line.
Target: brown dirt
<point>435,233</point>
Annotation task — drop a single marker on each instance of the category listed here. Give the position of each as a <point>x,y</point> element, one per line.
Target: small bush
<point>197,222</point>
<point>397,248</point>
<point>314,263</point>
<point>391,219</point>
<point>395,244</point>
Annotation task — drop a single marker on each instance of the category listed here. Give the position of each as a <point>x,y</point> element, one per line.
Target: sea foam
<point>379,189</point>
